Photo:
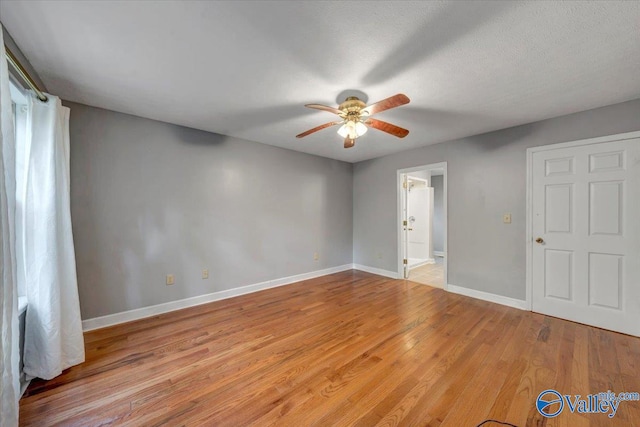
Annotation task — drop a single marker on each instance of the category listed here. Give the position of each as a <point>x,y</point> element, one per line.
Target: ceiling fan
<point>355,117</point>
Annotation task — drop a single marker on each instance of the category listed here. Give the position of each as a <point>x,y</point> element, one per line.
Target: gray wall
<point>150,199</point>
<point>486,178</point>
<point>437,182</point>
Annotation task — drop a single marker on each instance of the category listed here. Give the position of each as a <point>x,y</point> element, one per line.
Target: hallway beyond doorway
<point>429,274</point>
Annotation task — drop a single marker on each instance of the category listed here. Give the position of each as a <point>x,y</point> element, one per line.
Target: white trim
<point>399,220</point>
<point>529,192</point>
<point>378,271</point>
<point>429,167</point>
<point>18,93</point>
<point>22,305</point>
<point>445,224</point>
<point>588,141</point>
<point>24,386</point>
<point>529,232</point>
<point>421,263</point>
<point>438,253</point>
<point>485,296</point>
<point>141,313</point>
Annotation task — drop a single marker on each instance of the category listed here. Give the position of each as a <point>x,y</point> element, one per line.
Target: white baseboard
<point>378,271</point>
<point>141,313</point>
<point>438,253</point>
<point>498,299</point>
<point>421,263</point>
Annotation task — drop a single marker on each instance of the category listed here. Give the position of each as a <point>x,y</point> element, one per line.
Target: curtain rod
<point>15,64</point>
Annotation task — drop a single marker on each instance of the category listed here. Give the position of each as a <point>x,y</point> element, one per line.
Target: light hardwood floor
<point>351,348</point>
<point>429,274</point>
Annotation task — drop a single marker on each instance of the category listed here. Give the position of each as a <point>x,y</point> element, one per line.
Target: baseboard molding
<point>421,263</point>
<point>438,253</point>
<point>141,313</point>
<point>498,299</point>
<point>378,271</point>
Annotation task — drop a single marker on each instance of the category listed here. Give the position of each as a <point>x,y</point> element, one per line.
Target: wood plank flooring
<point>350,348</point>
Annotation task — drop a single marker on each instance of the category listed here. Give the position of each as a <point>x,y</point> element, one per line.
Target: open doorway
<point>422,231</point>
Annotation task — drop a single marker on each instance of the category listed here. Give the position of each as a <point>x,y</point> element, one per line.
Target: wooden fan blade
<point>387,127</point>
<point>325,108</point>
<point>317,128</point>
<point>391,102</point>
<point>348,142</point>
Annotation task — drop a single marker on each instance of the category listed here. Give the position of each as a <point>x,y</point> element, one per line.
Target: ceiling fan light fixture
<point>361,129</point>
<point>343,131</point>
<point>352,129</point>
<point>348,130</point>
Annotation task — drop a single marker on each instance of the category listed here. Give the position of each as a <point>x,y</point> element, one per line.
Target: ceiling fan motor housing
<point>352,105</point>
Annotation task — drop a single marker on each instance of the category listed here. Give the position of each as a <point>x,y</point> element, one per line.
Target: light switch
<point>170,279</point>
<point>506,218</point>
<point>205,273</point>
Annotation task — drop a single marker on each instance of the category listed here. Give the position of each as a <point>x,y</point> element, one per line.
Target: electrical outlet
<point>170,279</point>
<point>379,255</point>
<point>506,218</point>
<point>205,273</point>
<point>316,257</point>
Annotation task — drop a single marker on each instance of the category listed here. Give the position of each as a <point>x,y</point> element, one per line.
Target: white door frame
<point>529,213</point>
<point>399,228</point>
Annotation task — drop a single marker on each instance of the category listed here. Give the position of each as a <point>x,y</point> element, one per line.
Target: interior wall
<point>150,199</point>
<point>486,178</point>
<point>437,182</point>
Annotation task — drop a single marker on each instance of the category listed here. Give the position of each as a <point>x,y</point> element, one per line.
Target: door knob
<point>540,240</point>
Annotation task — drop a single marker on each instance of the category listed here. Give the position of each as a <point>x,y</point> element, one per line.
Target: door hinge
<point>404,261</point>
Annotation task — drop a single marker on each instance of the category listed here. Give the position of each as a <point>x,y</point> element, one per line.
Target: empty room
<point>320,213</point>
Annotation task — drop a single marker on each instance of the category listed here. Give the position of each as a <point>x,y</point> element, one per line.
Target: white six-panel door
<point>585,224</point>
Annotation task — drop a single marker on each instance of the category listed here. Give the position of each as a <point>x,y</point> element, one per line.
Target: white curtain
<point>9,356</point>
<point>53,331</point>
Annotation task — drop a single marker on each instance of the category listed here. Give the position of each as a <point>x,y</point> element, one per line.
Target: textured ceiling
<point>247,68</point>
